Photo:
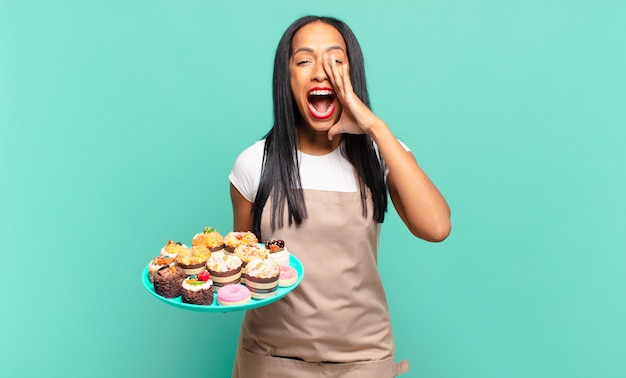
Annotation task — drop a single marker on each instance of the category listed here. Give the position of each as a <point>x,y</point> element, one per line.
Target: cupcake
<point>198,289</point>
<point>172,248</point>
<point>193,260</point>
<point>231,295</point>
<point>210,239</point>
<point>247,252</point>
<point>277,250</point>
<point>168,281</point>
<point>262,277</point>
<point>158,263</point>
<point>224,269</point>
<point>236,238</point>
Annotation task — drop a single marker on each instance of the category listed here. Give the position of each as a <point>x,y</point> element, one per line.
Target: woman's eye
<point>303,62</point>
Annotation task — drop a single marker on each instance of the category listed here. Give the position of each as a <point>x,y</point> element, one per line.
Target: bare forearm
<point>418,201</point>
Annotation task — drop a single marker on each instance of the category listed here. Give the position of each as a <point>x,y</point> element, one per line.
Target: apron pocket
<point>248,364</point>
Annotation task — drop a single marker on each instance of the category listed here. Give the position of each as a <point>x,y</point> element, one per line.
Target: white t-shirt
<point>332,172</point>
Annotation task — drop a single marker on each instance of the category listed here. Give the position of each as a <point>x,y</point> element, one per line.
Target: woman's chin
<point>321,124</point>
<point>317,126</point>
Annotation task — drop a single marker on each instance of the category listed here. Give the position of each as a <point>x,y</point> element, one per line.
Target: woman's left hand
<point>356,117</point>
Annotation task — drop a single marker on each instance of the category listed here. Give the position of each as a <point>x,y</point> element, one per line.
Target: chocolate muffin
<point>168,281</point>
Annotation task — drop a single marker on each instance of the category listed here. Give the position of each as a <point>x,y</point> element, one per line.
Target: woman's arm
<point>418,202</point>
<point>242,211</point>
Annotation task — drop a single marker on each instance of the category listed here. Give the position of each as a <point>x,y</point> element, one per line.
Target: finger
<point>328,67</point>
<point>335,129</point>
<point>336,73</point>
<point>346,78</point>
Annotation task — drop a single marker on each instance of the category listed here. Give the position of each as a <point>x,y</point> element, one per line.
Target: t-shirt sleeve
<point>246,173</point>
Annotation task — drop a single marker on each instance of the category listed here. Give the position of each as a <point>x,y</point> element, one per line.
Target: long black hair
<point>280,176</point>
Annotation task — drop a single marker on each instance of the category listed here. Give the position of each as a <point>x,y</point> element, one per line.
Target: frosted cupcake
<point>247,252</point>
<point>198,289</point>
<point>172,248</point>
<point>193,260</point>
<point>236,238</point>
<point>262,277</point>
<point>277,250</point>
<point>224,269</point>
<point>158,263</point>
<point>210,239</point>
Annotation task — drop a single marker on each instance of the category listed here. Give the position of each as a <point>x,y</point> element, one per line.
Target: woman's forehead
<point>317,35</point>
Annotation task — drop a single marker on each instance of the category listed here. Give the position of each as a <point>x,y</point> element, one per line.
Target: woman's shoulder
<point>246,172</point>
<point>253,151</point>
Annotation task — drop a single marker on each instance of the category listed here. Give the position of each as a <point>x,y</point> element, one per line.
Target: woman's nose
<point>319,74</point>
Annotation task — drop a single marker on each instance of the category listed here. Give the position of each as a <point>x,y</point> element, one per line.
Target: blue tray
<point>215,307</point>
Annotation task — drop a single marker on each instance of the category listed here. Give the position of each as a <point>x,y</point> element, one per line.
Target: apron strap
<point>402,367</point>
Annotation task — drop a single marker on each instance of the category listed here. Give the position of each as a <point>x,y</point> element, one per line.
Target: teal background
<point>120,121</point>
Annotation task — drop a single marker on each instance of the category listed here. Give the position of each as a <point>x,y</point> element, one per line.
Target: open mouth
<point>321,102</point>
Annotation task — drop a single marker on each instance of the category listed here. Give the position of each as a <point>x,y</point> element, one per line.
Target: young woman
<point>319,180</point>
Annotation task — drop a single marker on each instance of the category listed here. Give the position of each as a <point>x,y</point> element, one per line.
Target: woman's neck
<point>313,142</point>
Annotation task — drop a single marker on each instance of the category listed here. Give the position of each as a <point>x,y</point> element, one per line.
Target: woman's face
<point>310,83</point>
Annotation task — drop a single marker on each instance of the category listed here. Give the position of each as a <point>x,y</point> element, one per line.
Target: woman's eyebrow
<point>309,49</point>
<point>334,48</point>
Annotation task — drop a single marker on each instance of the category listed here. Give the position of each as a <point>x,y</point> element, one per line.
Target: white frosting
<point>221,262</point>
<point>164,253</point>
<point>263,268</point>
<point>206,285</point>
<point>281,257</point>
